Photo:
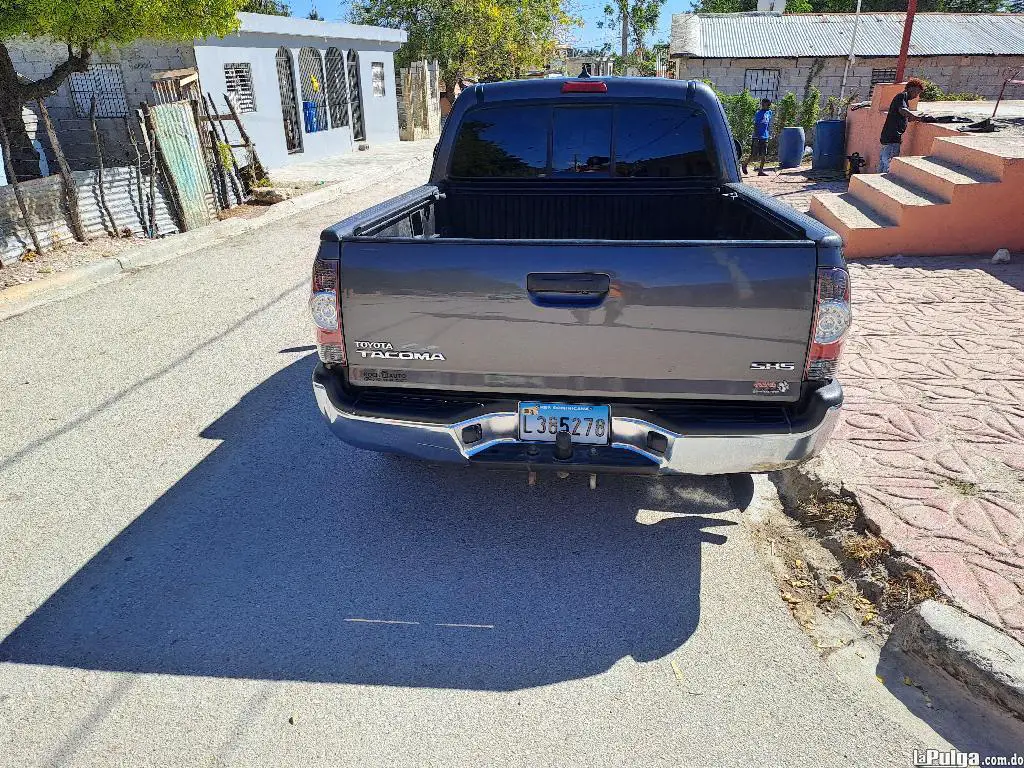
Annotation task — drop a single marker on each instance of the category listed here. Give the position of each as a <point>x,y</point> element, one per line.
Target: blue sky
<point>590,10</point>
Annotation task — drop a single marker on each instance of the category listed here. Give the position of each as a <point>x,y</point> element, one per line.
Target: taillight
<point>585,86</point>
<point>832,319</point>
<point>326,311</point>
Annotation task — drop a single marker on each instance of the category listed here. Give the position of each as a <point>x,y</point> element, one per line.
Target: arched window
<point>356,97</point>
<point>289,102</point>
<point>314,97</point>
<point>337,88</point>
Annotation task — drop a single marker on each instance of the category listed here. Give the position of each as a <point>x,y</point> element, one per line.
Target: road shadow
<point>286,555</point>
<point>958,715</point>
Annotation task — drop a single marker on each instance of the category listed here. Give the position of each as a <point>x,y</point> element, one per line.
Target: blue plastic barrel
<point>829,145</point>
<point>791,147</point>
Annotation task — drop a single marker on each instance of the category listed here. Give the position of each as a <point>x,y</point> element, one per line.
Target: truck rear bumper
<point>643,440</point>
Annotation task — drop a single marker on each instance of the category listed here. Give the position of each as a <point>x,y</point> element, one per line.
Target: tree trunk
<point>624,11</point>
<point>15,92</point>
<point>23,154</point>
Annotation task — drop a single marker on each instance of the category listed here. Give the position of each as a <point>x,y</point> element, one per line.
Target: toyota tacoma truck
<point>584,284</point>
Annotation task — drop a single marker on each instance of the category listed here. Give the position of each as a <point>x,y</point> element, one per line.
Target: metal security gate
<point>356,97</point>
<point>314,99</point>
<point>289,101</point>
<point>337,88</point>
<point>178,141</point>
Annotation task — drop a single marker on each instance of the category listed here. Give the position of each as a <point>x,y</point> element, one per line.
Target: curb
<point>19,299</point>
<point>986,660</point>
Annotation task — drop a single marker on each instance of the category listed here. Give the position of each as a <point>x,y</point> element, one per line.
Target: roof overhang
<point>263,24</point>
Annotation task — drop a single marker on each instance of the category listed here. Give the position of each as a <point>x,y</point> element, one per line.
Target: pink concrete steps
<point>854,220</point>
<point>964,198</point>
<point>937,176</point>
<point>891,196</point>
<point>998,156</point>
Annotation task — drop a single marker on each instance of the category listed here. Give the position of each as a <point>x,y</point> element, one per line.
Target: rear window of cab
<point>660,141</point>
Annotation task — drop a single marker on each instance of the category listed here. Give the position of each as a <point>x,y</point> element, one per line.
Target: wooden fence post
<point>256,172</point>
<point>104,208</point>
<point>161,163</point>
<point>234,173</point>
<point>138,174</point>
<point>68,180</point>
<point>151,155</point>
<point>9,165</point>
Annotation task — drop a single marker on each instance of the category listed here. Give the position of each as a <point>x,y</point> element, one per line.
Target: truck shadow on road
<point>286,555</point>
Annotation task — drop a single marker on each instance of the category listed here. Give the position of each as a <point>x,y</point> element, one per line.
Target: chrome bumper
<point>683,454</point>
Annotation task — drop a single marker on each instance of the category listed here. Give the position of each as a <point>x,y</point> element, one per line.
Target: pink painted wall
<point>864,127</point>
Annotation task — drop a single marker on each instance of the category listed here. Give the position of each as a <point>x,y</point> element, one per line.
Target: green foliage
<point>869,6</point>
<point>810,107</point>
<point>932,92</point>
<point>724,6</point>
<point>267,7</point>
<point>100,23</point>
<point>643,18</point>
<point>739,111</point>
<point>227,158</point>
<point>836,108</point>
<point>785,111</point>
<point>493,39</point>
<point>785,116</point>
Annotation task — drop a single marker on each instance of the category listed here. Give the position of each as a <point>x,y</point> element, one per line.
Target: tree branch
<point>42,88</point>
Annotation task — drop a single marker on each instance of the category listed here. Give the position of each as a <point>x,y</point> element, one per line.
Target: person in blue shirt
<point>762,132</point>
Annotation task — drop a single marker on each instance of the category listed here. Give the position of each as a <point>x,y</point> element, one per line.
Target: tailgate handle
<point>567,289</point>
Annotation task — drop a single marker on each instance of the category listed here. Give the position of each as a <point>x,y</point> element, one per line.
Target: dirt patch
<point>61,258</point>
<point>841,580</point>
<point>243,211</point>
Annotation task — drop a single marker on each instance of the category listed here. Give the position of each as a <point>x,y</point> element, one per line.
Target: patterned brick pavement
<point>932,435</point>
<point>796,185</point>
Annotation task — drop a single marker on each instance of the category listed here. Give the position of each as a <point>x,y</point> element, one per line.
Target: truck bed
<point>669,293</point>
<point>583,212</point>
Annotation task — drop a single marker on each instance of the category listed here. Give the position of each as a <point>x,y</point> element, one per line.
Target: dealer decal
<point>771,387</point>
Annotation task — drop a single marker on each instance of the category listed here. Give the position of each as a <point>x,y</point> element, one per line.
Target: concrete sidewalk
<point>355,165</point>
<point>932,435</point>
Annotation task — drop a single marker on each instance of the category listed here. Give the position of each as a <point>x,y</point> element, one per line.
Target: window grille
<point>238,81</point>
<point>762,83</point>
<point>105,83</point>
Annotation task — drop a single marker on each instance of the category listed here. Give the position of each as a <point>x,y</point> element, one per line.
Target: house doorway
<point>356,97</point>
<point>289,101</point>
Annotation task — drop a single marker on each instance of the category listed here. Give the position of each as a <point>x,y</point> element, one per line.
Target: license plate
<point>541,422</point>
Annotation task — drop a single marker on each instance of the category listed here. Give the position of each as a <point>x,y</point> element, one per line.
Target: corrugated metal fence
<point>179,144</point>
<point>44,199</point>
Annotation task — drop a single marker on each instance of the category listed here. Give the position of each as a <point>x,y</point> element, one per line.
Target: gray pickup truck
<point>584,284</point>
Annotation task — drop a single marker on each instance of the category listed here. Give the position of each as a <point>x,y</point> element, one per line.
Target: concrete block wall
<point>983,75</point>
<point>419,109</point>
<point>35,58</point>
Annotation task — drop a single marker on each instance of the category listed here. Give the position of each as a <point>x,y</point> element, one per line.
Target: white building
<point>305,89</point>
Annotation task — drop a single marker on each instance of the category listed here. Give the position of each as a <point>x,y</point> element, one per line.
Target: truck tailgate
<point>726,320</point>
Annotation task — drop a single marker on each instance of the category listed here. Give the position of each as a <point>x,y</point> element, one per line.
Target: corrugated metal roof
<point>769,35</point>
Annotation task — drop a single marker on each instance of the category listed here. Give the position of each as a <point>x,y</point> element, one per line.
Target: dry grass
<point>865,548</point>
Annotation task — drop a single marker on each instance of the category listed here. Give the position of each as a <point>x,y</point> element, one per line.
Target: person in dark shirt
<point>896,122</point>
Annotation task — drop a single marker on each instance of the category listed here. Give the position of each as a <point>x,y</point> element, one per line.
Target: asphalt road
<point>194,572</point>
